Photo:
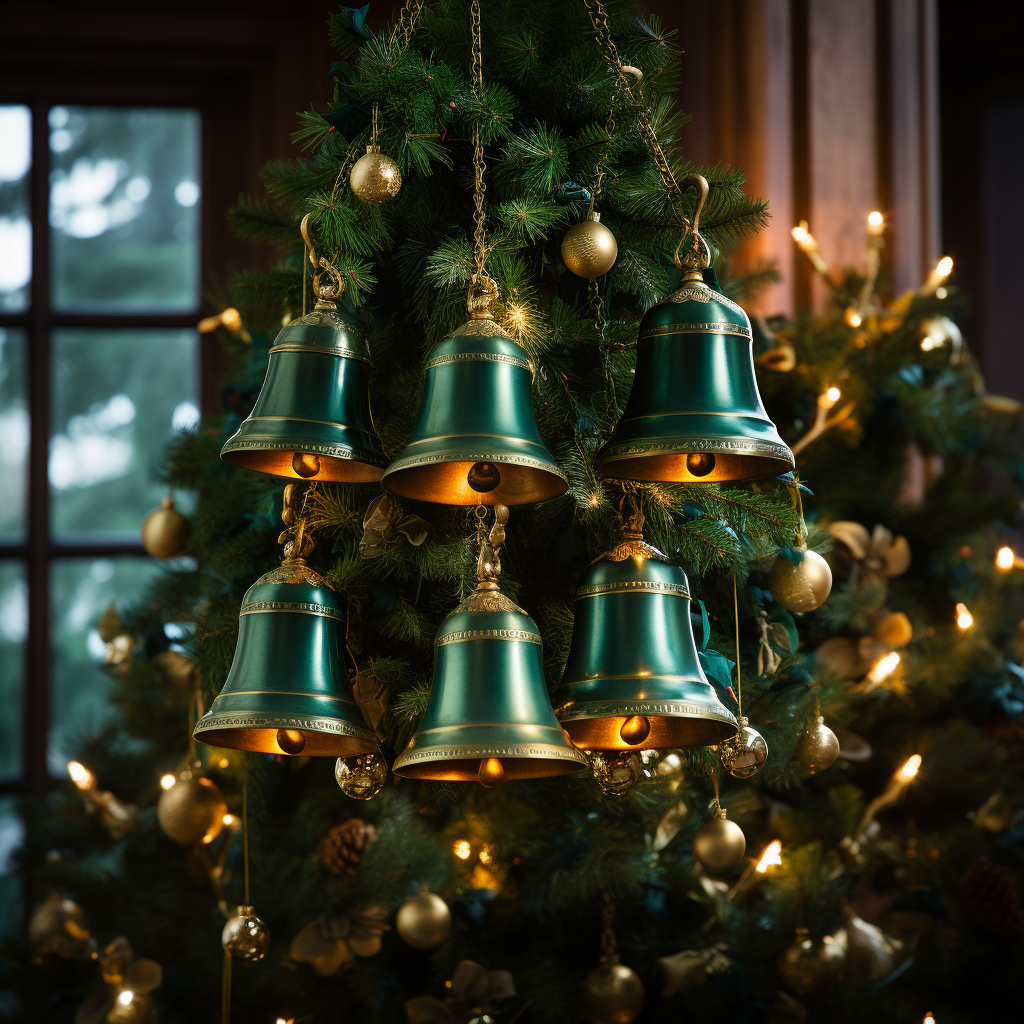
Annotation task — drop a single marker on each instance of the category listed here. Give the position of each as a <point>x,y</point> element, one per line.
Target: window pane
<point>12,833</point>
<point>14,434</point>
<point>117,397</point>
<point>124,209</point>
<point>15,230</point>
<point>13,630</point>
<point>80,590</point>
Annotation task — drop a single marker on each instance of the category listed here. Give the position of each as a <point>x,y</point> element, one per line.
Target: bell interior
<point>466,769</point>
<point>666,732</point>
<point>264,741</point>
<point>447,483</point>
<point>279,463</point>
<point>672,468</point>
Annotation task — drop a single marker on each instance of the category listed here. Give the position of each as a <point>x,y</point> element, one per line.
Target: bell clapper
<point>491,772</point>
<point>483,477</point>
<point>700,464</point>
<point>291,741</point>
<point>305,464</point>
<point>635,730</point>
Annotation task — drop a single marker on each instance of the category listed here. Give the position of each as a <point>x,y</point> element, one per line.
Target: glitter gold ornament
<point>375,177</point>
<point>424,921</point>
<point>245,936</point>
<point>615,771</point>
<point>191,809</point>
<point>362,776</point>
<point>808,965</point>
<point>818,747</point>
<point>589,249</point>
<point>612,993</point>
<point>800,586</point>
<point>719,844</point>
<point>744,754</point>
<point>165,531</point>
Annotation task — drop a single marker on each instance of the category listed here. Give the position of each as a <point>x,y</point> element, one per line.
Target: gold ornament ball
<point>375,178</point>
<point>361,777</point>
<point>616,771</point>
<point>589,249</point>
<point>817,748</point>
<point>245,936</point>
<point>165,531</point>
<point>719,844</point>
<point>58,925</point>
<point>745,753</point>
<point>612,994</point>
<point>800,587</point>
<point>191,811</point>
<point>807,966</point>
<point>424,921</point>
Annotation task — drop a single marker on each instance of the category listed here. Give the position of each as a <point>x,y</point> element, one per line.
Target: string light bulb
<point>853,318</point>
<point>911,768</point>
<point>80,775</point>
<point>166,781</point>
<point>228,819</point>
<point>964,619</point>
<point>126,997</point>
<point>462,849</point>
<point>1005,560</point>
<point>833,395</point>
<point>944,267</point>
<point>803,237</point>
<point>772,857</point>
<point>876,223</point>
<point>884,667</point>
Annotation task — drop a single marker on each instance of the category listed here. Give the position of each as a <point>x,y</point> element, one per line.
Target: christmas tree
<point>873,871</point>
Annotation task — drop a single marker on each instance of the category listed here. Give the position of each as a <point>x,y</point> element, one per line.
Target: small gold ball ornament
<point>800,587</point>
<point>165,531</point>
<point>808,965</point>
<point>615,771</point>
<point>245,936</point>
<point>589,249</point>
<point>361,776</point>
<point>191,809</point>
<point>818,747</point>
<point>375,178</point>
<point>424,921</point>
<point>612,993</point>
<point>745,753</point>
<point>719,844</point>
<point>58,925</point>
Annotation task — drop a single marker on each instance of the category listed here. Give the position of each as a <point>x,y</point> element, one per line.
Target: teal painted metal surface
<point>290,672</point>
<point>694,413</point>
<point>488,700</point>
<point>476,423</point>
<point>315,402</point>
<point>633,654</point>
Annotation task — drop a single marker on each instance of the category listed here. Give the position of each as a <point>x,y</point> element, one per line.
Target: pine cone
<point>342,849</point>
<point>991,896</point>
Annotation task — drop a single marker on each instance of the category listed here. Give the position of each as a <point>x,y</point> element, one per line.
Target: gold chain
<point>406,24</point>
<point>479,167</point>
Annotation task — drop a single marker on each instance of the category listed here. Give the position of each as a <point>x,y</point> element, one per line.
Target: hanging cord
<point>609,947</point>
<point>593,291</point>
<point>405,27</point>
<point>739,679</point>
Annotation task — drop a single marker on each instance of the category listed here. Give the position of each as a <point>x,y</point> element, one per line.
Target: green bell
<point>476,440</point>
<point>289,690</point>
<point>489,717</point>
<point>312,418</point>
<point>633,679</point>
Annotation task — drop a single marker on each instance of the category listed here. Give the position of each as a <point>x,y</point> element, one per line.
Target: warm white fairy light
<point>166,781</point>
<point>772,856</point>
<point>486,855</point>
<point>1006,559</point>
<point>884,667</point>
<point>853,318</point>
<point>928,1019</point>
<point>833,395</point>
<point>938,276</point>
<point>80,775</point>
<point>462,849</point>
<point>909,770</point>
<point>803,237</point>
<point>964,619</point>
<point>228,819</point>
<point>126,997</point>
<point>876,223</point>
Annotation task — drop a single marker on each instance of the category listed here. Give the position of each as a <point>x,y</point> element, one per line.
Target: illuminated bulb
<point>912,767</point>
<point>491,772</point>
<point>223,763</point>
<point>884,667</point>
<point>166,781</point>
<point>803,237</point>
<point>228,819</point>
<point>940,293</point>
<point>485,855</point>
<point>772,856</point>
<point>853,318</point>
<point>126,997</point>
<point>231,318</point>
<point>964,619</point>
<point>1005,559</point>
<point>875,222</point>
<point>928,1019</point>
<point>833,395</point>
<point>462,849</point>
<point>80,775</point>
<point>594,501</point>
<point>944,267</point>
<point>635,730</point>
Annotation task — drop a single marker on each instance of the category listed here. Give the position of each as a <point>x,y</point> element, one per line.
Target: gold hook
<point>304,228</point>
<point>700,183</point>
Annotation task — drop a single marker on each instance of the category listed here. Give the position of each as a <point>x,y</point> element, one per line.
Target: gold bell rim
<point>337,466</point>
<point>442,480</point>
<point>593,731</point>
<point>462,763</point>
<point>735,459</point>
<point>324,737</point>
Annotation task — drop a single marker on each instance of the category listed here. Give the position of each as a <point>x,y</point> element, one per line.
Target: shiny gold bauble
<point>745,753</point>
<point>191,811</point>
<point>375,178</point>
<point>361,776</point>
<point>612,994</point>
<point>800,587</point>
<point>893,630</point>
<point>817,748</point>
<point>589,249</point>
<point>719,844</point>
<point>615,771</point>
<point>807,965</point>
<point>424,921</point>
<point>165,531</point>
<point>245,935</point>
<point>58,926</point>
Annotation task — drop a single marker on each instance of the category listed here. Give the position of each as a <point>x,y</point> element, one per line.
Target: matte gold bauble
<point>612,994</point>
<point>191,810</point>
<point>817,748</point>
<point>245,936</point>
<point>424,921</point>
<point>745,753</point>
<point>375,178</point>
<point>165,531</point>
<point>800,587</point>
<point>807,965</point>
<point>58,925</point>
<point>719,844</point>
<point>589,249</point>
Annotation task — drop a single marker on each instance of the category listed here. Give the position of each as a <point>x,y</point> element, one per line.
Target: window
<point>99,363</point>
